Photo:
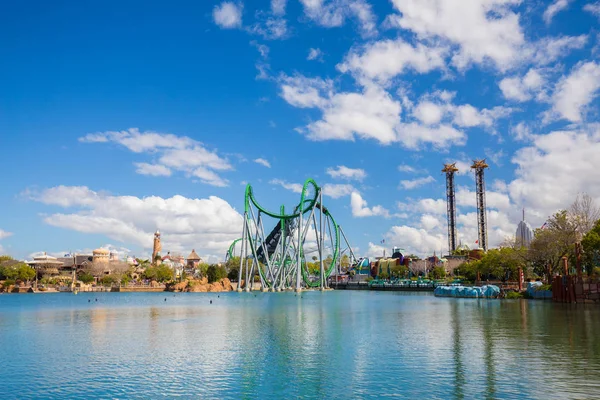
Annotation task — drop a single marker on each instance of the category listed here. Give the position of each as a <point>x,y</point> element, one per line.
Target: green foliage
<point>591,247</point>
<point>161,273</point>
<point>233,273</point>
<point>543,287</point>
<point>383,275</point>
<point>8,282</point>
<point>86,277</point>
<point>125,279</point>
<point>438,273</point>
<point>203,268</point>
<point>344,261</point>
<point>18,271</point>
<point>399,271</point>
<point>551,244</point>
<point>108,280</point>
<point>514,295</point>
<point>215,273</point>
<point>368,278</point>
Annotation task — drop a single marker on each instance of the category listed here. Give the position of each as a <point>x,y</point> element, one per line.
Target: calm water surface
<point>278,345</point>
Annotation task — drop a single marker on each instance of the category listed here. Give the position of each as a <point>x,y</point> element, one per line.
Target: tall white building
<point>524,234</point>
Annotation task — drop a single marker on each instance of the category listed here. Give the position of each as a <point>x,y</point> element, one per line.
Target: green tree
<point>215,273</point>
<point>345,261</point>
<point>591,247</point>
<point>438,273</point>
<point>86,277</point>
<point>550,245</point>
<point>25,272</point>
<point>399,271</point>
<point>203,267</point>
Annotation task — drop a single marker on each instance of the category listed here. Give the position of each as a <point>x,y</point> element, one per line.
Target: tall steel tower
<point>479,166</point>
<point>450,169</point>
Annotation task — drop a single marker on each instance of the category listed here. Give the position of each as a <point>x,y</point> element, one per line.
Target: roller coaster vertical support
<point>299,252</point>
<point>320,239</point>
<point>241,270</point>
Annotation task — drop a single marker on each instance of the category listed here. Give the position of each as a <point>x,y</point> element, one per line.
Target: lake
<point>341,344</point>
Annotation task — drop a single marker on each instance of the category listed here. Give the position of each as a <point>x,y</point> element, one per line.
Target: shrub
<point>86,277</point>
<point>8,282</point>
<point>215,273</point>
<point>108,280</point>
<point>514,295</point>
<point>543,287</point>
<point>233,274</point>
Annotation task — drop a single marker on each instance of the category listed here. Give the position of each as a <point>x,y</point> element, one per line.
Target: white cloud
<point>432,206</point>
<point>294,187</point>
<point>468,116</point>
<point>522,89</point>
<point>554,8</point>
<point>429,113</point>
<point>208,225</point>
<point>228,15</point>
<point>554,168</point>
<point>415,183</point>
<point>4,234</point>
<point>413,135</point>
<point>263,162</point>
<point>482,29</point>
<point>574,92</point>
<point>152,169</point>
<point>360,208</point>
<point>414,240</point>
<point>278,7</point>
<point>497,200</point>
<point>549,49</point>
<point>430,222</point>
<point>334,13</point>
<point>315,54</point>
<point>337,190</point>
<point>370,114</point>
<point>174,152</point>
<point>385,59</point>
<point>406,168</point>
<point>495,155</point>
<point>269,26</point>
<point>521,132</point>
<point>343,172</point>
<point>593,8</point>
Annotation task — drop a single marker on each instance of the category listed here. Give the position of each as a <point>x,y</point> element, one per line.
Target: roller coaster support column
<point>299,258</point>
<point>321,243</point>
<point>241,271</point>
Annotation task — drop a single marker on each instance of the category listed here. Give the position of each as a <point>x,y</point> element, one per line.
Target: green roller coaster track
<point>304,206</point>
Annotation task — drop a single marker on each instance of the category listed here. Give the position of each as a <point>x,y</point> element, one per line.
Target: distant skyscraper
<point>524,234</point>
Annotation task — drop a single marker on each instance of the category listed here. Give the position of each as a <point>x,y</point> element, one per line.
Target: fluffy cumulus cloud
<point>171,152</point>
<point>152,169</point>
<point>361,209</point>
<point>337,190</point>
<point>416,183</point>
<point>228,15</point>
<point>499,34</point>
<point>385,59</point>
<point>343,172</point>
<point>209,225</point>
<point>334,13</point>
<point>574,92</point>
<point>263,162</point>
<point>522,88</point>
<point>554,167</point>
<point>371,114</point>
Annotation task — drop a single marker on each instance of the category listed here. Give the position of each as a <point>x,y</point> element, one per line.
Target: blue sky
<point>121,118</point>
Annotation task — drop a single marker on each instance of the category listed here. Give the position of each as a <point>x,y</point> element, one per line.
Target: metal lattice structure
<point>449,170</point>
<point>479,166</point>
<point>280,258</point>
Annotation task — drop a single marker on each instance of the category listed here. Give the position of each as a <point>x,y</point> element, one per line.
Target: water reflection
<point>342,344</point>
